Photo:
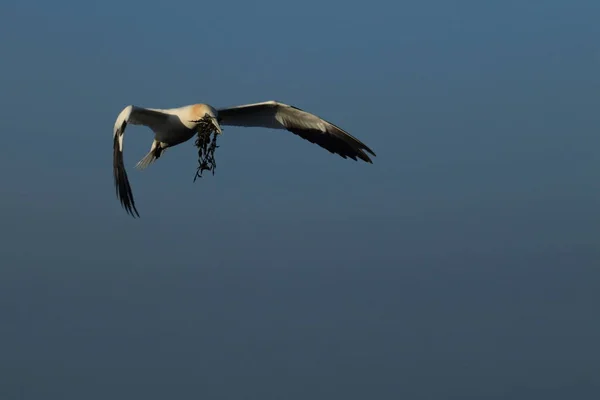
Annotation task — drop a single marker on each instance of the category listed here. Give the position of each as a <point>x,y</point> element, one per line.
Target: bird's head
<point>203,114</point>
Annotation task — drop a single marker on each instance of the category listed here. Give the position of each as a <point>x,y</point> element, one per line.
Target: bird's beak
<point>216,125</point>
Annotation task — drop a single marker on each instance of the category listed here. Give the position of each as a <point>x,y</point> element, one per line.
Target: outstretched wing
<point>151,118</point>
<point>275,115</point>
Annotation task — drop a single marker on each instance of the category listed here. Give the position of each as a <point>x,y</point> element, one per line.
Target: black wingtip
<point>369,150</point>
<point>121,181</point>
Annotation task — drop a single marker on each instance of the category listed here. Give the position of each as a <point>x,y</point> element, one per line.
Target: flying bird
<point>174,126</point>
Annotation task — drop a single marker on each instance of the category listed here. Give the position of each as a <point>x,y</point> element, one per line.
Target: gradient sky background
<point>462,264</point>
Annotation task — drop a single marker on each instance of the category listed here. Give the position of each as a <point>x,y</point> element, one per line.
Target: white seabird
<point>174,126</point>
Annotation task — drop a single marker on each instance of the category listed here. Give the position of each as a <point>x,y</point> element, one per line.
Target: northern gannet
<point>174,126</point>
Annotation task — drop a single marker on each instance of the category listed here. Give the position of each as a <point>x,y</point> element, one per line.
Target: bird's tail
<point>154,153</point>
<point>147,160</point>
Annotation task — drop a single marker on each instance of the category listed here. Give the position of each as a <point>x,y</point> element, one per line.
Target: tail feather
<point>154,153</point>
<point>146,160</point>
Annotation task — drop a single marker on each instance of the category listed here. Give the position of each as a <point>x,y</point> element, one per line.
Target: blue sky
<point>461,264</point>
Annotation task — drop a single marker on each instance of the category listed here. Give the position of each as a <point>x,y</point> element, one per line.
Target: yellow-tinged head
<point>200,111</point>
